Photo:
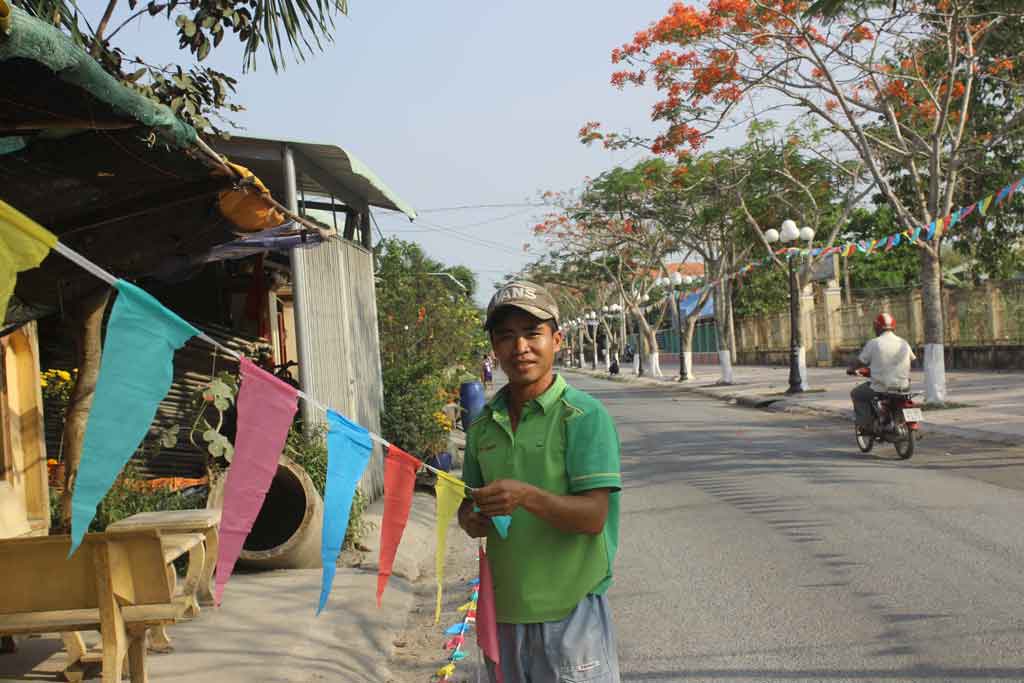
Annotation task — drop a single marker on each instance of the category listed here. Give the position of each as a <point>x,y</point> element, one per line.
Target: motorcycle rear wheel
<point>905,446</point>
<point>865,442</point>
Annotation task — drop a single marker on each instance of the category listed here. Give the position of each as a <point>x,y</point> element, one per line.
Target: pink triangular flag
<point>486,616</point>
<point>266,407</point>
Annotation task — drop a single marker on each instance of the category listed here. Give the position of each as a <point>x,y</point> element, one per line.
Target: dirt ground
<point>419,649</point>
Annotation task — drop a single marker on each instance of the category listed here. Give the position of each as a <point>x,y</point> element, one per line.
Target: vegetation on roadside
<point>431,340</point>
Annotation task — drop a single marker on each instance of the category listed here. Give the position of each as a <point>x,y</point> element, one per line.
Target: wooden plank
<point>112,627</point>
<point>50,622</point>
<point>176,545</point>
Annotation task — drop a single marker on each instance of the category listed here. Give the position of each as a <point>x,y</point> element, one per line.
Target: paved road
<point>764,547</point>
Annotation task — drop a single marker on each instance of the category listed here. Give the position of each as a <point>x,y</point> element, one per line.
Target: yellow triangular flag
<point>450,492</point>
<point>468,606</point>
<point>446,670</point>
<point>23,245</point>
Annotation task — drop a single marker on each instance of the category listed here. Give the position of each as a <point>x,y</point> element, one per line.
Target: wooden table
<point>179,530</point>
<point>203,521</point>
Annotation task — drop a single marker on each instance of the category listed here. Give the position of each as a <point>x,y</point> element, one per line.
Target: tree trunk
<point>686,349</point>
<point>87,320</point>
<point>934,328</point>
<point>730,320</point>
<point>722,327</point>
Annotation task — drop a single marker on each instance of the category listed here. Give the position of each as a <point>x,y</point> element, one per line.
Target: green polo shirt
<point>565,443</point>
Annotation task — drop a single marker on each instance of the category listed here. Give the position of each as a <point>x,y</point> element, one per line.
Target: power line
<point>467,207</point>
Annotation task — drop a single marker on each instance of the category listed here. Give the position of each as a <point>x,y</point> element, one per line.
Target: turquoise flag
<point>348,453</point>
<point>135,374</point>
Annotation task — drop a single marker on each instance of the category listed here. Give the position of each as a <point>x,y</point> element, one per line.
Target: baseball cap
<point>526,296</point>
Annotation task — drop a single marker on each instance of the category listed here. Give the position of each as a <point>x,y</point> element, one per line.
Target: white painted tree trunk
<point>656,365</point>
<point>725,365</point>
<point>636,363</point>
<point>934,373</point>
<point>688,364</point>
<point>801,362</point>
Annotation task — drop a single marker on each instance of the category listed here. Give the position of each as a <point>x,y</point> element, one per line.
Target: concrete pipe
<point>286,533</point>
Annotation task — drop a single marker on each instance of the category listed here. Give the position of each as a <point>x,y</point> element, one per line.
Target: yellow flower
<point>64,375</point>
<point>43,383</point>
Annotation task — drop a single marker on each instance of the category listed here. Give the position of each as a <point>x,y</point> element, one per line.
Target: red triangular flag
<point>486,616</point>
<point>399,481</point>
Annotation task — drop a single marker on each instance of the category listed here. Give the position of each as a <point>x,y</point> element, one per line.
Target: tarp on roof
<point>262,156</point>
<point>37,41</point>
<point>689,302</point>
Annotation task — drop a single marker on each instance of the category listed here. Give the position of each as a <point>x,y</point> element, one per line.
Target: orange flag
<point>399,482</point>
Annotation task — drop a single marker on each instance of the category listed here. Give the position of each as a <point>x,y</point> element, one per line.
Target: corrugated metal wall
<point>341,349</point>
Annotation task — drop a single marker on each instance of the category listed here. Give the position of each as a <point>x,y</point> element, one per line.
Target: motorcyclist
<point>888,357</point>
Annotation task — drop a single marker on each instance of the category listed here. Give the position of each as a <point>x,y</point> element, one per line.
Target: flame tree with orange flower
<point>895,86</point>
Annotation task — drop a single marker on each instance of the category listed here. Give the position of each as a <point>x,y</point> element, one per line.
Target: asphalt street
<point>761,546</point>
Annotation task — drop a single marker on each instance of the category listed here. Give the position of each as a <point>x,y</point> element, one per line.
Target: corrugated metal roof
<point>337,162</point>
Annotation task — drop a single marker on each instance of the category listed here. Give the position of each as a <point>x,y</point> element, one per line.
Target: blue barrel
<point>471,400</point>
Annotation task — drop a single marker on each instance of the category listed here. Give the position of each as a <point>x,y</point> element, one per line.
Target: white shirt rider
<point>889,358</point>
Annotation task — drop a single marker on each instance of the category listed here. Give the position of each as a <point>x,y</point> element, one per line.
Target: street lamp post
<point>790,233</point>
<point>591,322</point>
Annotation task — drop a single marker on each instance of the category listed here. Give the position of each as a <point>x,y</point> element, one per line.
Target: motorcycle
<point>897,420</point>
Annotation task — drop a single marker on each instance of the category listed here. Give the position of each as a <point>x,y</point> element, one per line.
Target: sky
<point>452,104</point>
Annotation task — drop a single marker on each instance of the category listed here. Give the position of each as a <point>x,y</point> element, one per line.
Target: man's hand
<point>502,497</point>
<point>475,524</point>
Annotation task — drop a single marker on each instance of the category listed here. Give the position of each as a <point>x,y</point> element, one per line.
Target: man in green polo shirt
<point>548,455</point>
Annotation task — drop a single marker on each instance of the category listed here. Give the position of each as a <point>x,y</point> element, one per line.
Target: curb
<point>784,405</point>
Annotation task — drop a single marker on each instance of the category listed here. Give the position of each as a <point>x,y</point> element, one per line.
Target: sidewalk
<point>986,405</point>
<point>266,628</point>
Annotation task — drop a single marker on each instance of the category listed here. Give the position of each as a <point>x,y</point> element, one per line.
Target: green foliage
<point>762,291</point>
<point>881,270</point>
<point>199,93</point>
<point>427,326</point>
<point>129,496</point>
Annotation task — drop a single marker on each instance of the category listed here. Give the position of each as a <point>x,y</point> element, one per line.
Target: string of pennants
<point>932,231</point>
<point>479,613</point>
<point>136,370</point>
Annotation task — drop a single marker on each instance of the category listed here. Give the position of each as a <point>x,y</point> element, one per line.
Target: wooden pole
<point>88,327</point>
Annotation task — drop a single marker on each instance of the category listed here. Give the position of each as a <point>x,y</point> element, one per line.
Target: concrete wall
<point>984,326</point>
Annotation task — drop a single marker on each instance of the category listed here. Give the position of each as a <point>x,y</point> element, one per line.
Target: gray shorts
<point>577,649</point>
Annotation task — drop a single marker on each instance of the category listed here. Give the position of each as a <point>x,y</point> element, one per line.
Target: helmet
<point>884,322</point>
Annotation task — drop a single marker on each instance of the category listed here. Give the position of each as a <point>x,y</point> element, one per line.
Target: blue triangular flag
<point>348,453</point>
<point>136,370</point>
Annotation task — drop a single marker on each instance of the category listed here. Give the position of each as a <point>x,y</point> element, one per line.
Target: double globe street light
<point>790,233</point>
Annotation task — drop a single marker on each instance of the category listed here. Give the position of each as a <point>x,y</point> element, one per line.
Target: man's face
<point>525,347</point>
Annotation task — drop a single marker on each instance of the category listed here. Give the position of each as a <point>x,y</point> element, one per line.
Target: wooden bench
<point>115,583</point>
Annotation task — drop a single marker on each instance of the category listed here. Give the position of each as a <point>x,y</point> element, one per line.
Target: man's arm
<point>580,513</point>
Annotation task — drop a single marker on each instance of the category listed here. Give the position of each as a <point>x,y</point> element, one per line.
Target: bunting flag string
<point>458,630</point>
<point>487,616</point>
<point>450,493</point>
<point>934,230</point>
<point>348,453</point>
<point>136,370</point>
<point>23,246</point>
<point>399,484</point>
<point>266,408</point>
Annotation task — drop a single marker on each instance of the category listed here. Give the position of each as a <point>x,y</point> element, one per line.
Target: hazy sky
<point>451,104</point>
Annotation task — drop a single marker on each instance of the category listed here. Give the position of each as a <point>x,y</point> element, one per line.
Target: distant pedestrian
<point>547,454</point>
<point>488,371</point>
<point>613,369</point>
